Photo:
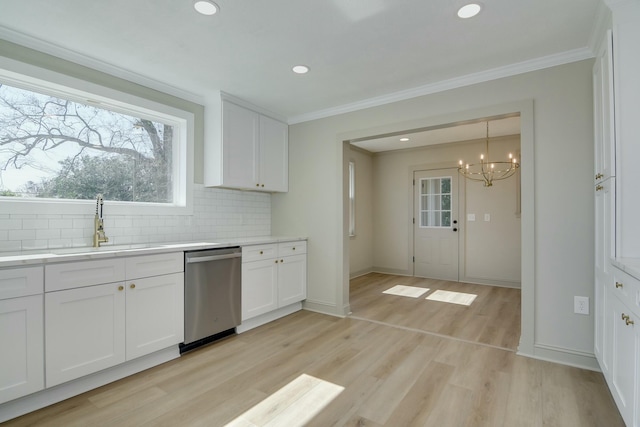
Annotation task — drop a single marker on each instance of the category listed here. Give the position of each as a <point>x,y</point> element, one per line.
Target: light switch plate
<point>487,217</point>
<point>581,305</point>
<point>471,217</point>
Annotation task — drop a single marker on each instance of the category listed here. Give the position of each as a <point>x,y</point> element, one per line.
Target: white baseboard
<point>564,356</point>
<point>49,396</point>
<point>360,273</point>
<point>326,308</point>
<point>254,322</point>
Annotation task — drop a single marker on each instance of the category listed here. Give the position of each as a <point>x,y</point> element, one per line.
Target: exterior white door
<point>435,235</point>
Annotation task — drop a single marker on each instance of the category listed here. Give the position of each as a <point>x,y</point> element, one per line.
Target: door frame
<point>525,108</point>
<point>432,167</point>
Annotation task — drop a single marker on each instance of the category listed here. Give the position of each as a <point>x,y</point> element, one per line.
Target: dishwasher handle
<point>213,258</point>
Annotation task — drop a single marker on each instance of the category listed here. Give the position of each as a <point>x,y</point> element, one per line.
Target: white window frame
<point>352,198</point>
<point>26,76</point>
<point>421,210</point>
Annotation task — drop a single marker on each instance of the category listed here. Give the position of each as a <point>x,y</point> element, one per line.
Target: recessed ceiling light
<point>300,69</point>
<point>404,139</point>
<point>205,7</point>
<point>469,11</point>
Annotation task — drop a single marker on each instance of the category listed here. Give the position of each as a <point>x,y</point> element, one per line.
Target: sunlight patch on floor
<point>293,405</point>
<point>406,291</point>
<point>452,297</point>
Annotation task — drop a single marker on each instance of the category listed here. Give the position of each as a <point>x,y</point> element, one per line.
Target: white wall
<point>392,212</point>
<point>559,264</point>
<point>361,245</point>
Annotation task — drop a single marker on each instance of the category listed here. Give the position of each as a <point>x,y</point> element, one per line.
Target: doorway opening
<point>442,253</point>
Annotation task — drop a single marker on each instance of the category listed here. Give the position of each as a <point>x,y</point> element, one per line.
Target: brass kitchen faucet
<point>99,235</point>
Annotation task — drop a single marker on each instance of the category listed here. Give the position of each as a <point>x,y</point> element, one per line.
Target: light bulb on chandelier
<point>487,171</point>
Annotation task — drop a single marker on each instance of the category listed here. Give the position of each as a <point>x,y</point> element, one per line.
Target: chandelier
<point>487,171</point>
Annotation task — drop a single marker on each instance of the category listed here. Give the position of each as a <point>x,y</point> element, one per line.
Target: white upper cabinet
<point>626,72</point>
<point>240,150</point>
<point>274,155</point>
<point>245,149</point>
<point>603,111</point>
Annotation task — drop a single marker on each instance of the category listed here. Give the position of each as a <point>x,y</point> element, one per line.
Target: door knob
<point>455,229</point>
<point>455,221</point>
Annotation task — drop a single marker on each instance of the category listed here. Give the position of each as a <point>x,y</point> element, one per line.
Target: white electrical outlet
<point>581,305</point>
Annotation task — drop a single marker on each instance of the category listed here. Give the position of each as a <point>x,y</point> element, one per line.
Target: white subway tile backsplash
<point>217,214</point>
<point>22,235</point>
<point>60,223</point>
<point>34,224</point>
<point>11,224</point>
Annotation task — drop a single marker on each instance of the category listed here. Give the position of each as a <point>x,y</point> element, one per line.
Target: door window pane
<point>435,202</point>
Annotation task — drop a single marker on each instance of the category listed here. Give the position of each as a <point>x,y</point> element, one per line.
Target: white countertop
<point>13,259</point>
<point>631,266</point>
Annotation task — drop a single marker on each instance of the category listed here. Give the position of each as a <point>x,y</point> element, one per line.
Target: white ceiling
<point>358,50</point>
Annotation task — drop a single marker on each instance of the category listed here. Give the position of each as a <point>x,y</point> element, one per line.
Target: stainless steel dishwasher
<point>212,295</point>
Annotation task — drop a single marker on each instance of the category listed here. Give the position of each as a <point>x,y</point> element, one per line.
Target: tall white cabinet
<point>245,148</point>
<point>617,203</point>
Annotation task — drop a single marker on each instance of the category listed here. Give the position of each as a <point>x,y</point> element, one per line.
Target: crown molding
<point>95,64</point>
<point>457,82</point>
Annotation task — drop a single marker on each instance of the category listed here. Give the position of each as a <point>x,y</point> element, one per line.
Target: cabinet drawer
<point>292,248</point>
<point>258,252</point>
<point>72,275</point>
<point>19,282</point>
<point>154,265</point>
<point>627,288</point>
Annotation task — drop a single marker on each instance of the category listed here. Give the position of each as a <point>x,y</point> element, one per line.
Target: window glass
<point>58,148</point>
<point>435,202</point>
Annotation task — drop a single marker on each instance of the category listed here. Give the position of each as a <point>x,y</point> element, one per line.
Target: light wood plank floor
<point>493,318</point>
<point>391,376</point>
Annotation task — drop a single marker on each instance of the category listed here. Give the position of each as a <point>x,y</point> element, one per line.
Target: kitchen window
<point>61,147</point>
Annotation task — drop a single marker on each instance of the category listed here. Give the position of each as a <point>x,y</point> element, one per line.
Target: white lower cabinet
<point>626,353</point>
<point>155,314</point>
<point>91,328</point>
<point>85,331</point>
<point>259,287</point>
<point>273,276</point>
<point>292,279</point>
<point>22,349</point>
<point>620,356</point>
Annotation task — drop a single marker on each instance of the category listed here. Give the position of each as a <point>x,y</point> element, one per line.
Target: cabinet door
<point>259,287</point>
<point>626,351</point>
<point>240,138</point>
<point>603,322</point>
<point>85,331</point>
<point>603,110</point>
<point>274,155</point>
<point>292,279</point>
<point>155,314</point>
<point>22,349</point>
